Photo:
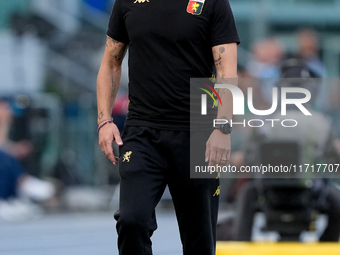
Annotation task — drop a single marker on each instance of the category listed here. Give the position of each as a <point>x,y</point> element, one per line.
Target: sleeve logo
<point>195,7</point>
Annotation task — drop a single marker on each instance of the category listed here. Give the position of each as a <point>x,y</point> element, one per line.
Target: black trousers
<point>149,160</point>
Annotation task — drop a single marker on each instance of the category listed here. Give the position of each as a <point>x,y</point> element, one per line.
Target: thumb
<point>118,139</point>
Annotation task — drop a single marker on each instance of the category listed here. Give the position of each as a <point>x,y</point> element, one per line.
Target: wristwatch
<point>225,128</point>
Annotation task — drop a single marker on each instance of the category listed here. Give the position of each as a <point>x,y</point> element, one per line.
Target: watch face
<point>225,128</point>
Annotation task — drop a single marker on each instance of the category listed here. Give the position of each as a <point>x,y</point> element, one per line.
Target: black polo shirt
<point>170,41</point>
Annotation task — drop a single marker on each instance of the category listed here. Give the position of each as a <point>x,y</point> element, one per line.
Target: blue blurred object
<point>18,108</point>
<point>98,4</point>
<point>71,109</point>
<point>10,172</point>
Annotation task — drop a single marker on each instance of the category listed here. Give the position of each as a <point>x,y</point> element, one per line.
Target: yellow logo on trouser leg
<point>127,156</point>
<point>217,192</point>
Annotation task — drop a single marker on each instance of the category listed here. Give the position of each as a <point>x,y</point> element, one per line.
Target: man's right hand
<point>108,134</point>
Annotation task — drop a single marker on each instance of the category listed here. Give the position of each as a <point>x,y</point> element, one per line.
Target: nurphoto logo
<point>239,104</point>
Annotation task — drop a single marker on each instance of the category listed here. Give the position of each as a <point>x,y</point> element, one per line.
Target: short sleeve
<point>117,29</point>
<point>223,28</point>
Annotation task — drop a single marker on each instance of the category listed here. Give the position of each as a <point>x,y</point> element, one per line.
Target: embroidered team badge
<point>195,7</point>
<point>127,156</point>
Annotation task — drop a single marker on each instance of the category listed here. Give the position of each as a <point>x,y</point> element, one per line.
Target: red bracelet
<point>103,124</point>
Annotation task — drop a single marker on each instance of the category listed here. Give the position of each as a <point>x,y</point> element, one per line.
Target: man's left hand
<point>218,149</point>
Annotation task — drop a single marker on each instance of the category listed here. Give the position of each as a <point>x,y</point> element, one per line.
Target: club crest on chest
<point>195,7</point>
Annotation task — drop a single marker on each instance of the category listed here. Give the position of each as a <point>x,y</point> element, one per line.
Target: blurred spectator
<point>14,182</point>
<point>20,149</point>
<point>266,56</point>
<point>308,50</point>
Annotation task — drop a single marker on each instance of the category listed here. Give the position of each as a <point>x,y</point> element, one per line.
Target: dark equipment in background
<point>286,202</point>
<point>290,204</point>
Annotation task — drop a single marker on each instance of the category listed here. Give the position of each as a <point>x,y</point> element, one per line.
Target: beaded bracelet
<point>104,123</point>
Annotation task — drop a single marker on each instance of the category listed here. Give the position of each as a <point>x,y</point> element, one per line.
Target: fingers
<point>117,137</point>
<point>109,151</point>
<point>207,152</point>
<point>217,155</point>
<point>107,135</point>
<point>213,158</point>
<point>211,155</point>
<point>225,157</point>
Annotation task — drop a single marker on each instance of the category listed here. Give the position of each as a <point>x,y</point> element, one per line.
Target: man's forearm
<point>225,110</point>
<point>109,77</point>
<point>107,88</point>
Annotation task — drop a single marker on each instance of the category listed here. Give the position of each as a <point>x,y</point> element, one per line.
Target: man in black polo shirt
<point>169,43</point>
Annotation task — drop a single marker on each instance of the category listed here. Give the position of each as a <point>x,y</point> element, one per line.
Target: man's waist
<point>159,123</point>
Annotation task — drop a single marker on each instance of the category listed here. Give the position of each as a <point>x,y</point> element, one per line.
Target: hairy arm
<point>225,58</point>
<point>108,81</point>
